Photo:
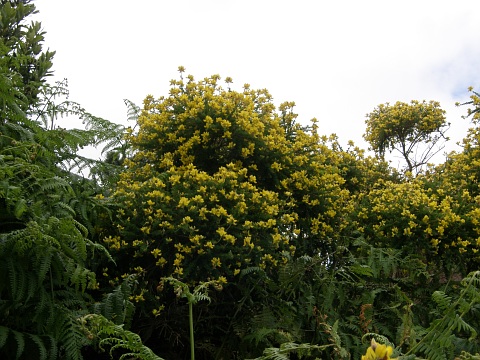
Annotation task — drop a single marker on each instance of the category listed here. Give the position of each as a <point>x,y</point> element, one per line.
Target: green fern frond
<point>72,340</point>
<point>260,334</point>
<point>102,249</point>
<point>433,351</point>
<point>42,264</point>
<point>18,280</point>
<point>53,183</point>
<point>467,356</point>
<point>440,341</point>
<point>65,209</point>
<point>53,349</point>
<point>133,110</point>
<point>4,332</point>
<point>250,270</point>
<point>115,337</point>
<point>284,351</point>
<point>116,306</point>
<point>33,345</point>
<point>33,286</point>
<point>20,208</point>
<point>443,301</point>
<point>472,279</point>
<point>42,350</point>
<point>20,340</point>
<point>79,277</point>
<point>362,270</point>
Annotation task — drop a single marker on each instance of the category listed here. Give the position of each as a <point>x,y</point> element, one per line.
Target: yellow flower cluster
<point>220,181</point>
<point>388,126</point>
<point>378,352</point>
<point>418,216</point>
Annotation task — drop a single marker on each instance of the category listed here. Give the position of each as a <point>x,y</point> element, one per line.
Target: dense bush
<point>220,227</point>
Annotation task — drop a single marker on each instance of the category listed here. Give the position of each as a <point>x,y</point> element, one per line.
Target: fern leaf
<point>72,340</point>
<point>54,183</point>
<point>67,209</point>
<point>133,110</point>
<point>101,248</point>
<point>20,208</point>
<point>442,300</point>
<point>32,287</point>
<point>362,270</point>
<point>18,281</point>
<point>42,351</point>
<point>4,331</point>
<point>53,350</point>
<point>20,340</point>
<point>43,263</point>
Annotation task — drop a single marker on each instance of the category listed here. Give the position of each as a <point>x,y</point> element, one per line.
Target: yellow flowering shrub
<point>189,224</point>
<point>421,216</point>
<point>221,181</point>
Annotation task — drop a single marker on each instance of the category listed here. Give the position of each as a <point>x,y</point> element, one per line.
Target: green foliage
<point>200,292</point>
<point>46,230</point>
<point>23,63</point>
<point>466,356</point>
<point>450,333</point>
<point>122,344</point>
<point>115,306</point>
<point>312,248</point>
<point>282,353</point>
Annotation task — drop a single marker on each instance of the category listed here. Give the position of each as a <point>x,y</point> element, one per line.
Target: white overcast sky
<point>336,59</point>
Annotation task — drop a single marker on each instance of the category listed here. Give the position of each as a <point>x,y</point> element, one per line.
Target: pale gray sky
<point>336,59</point>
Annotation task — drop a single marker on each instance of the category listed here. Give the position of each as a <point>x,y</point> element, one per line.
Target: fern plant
<point>46,229</point>
<point>121,343</point>
<point>451,332</point>
<point>199,293</point>
<point>286,349</point>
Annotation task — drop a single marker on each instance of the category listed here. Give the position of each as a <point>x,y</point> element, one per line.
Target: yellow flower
<point>378,352</point>
<point>156,252</point>
<point>216,262</point>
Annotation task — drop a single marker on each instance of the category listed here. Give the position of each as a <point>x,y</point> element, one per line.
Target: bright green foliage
<point>122,344</point>
<point>47,214</point>
<point>404,128</point>
<point>24,63</point>
<point>456,325</point>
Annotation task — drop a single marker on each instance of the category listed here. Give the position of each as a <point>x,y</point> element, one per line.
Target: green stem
<point>192,342</point>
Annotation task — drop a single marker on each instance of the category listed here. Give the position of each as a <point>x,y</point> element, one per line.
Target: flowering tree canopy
<point>405,127</point>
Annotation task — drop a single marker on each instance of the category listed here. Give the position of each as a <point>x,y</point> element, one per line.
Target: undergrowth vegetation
<point>218,226</point>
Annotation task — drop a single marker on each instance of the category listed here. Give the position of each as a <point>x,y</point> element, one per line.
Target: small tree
<point>415,130</point>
